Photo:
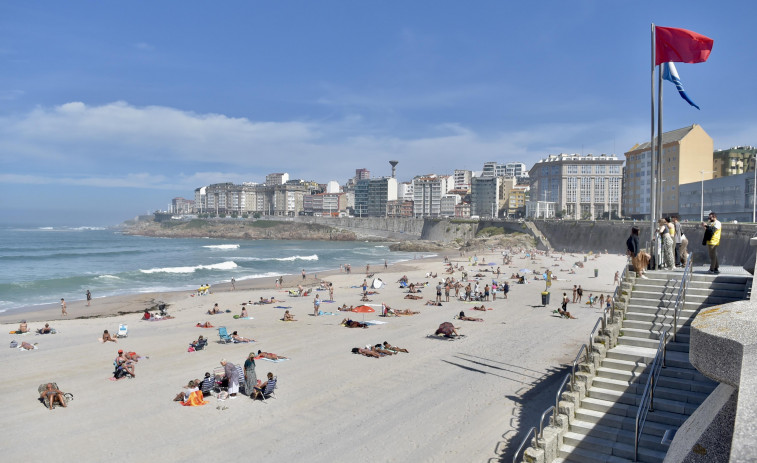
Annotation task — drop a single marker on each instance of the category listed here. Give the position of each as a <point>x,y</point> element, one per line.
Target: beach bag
<point>707,235</point>
<point>14,344</point>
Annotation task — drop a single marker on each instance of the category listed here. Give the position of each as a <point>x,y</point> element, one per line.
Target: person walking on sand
<point>575,293</point>
<point>331,292</point>
<point>316,305</point>
<point>89,298</point>
<point>63,307</point>
<point>616,281</point>
<point>303,274</point>
<point>233,281</point>
<point>580,293</point>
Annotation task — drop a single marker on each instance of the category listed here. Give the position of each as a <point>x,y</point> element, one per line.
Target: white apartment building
<point>428,191</point>
<point>405,191</point>
<point>462,179</point>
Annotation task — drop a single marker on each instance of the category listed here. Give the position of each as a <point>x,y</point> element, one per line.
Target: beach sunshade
<point>363,309</point>
<point>377,283</point>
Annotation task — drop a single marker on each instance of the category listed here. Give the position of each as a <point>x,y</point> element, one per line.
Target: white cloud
<point>118,144</point>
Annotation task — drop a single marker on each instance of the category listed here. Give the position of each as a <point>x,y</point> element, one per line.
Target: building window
<point>586,169</point>
<point>571,169</point>
<point>601,169</point>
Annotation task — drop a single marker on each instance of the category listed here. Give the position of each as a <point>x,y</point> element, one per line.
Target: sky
<point>111,109</point>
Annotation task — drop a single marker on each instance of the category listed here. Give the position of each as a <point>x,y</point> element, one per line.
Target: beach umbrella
<point>363,309</point>
<point>524,270</point>
<point>377,283</point>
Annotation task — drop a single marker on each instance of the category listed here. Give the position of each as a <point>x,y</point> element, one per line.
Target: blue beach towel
<point>282,307</point>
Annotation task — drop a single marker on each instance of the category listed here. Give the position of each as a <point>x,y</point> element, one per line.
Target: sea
<point>41,265</point>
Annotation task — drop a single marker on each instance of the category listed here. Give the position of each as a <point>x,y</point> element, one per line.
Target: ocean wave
<point>107,277</point>
<point>228,265</point>
<point>222,246</point>
<point>258,275</point>
<point>279,259</point>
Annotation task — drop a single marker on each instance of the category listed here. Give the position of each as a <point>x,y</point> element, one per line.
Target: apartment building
<point>687,156</point>
<point>462,179</point>
<point>733,161</point>
<point>330,204</point>
<point>428,191</point>
<point>485,196</point>
<point>372,196</point>
<point>580,186</point>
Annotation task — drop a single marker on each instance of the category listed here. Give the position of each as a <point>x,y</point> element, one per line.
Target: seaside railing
<point>646,404</point>
<point>522,444</point>
<point>681,297</point>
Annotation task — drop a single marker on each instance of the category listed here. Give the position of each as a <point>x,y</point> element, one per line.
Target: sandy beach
<point>458,400</point>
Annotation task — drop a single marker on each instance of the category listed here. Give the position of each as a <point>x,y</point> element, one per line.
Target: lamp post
<point>701,204</point>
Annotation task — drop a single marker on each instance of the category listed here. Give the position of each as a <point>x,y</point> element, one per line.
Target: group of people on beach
<point>378,350</point>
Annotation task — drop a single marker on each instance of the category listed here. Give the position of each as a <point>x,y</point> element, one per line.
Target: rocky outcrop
<point>245,230</point>
<point>418,246</point>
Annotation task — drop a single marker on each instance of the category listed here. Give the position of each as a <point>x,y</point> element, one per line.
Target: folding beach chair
<point>224,335</point>
<point>269,391</point>
<point>123,331</point>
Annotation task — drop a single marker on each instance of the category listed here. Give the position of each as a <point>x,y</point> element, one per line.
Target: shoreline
<point>129,303</point>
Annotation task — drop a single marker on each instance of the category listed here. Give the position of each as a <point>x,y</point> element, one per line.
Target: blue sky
<point>110,109</point>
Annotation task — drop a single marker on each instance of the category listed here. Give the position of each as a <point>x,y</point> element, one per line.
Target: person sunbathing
<point>481,309</point>
<point>22,327</point>
<point>353,324</point>
<point>260,390</point>
<point>288,317</point>
<point>564,313</point>
<point>107,337</point>
<point>411,288</point>
<point>215,310</point>
<point>125,363</point>
<point>263,301</point>
<point>366,352</point>
<point>45,330</point>
<point>344,308</point>
<point>200,343</point>
<point>430,302</point>
<point>394,348</point>
<point>380,349</point>
<point>237,338</point>
<point>52,395</point>
<point>204,325</point>
<point>25,345</point>
<point>132,356</point>
<point>405,312</point>
<point>470,319</point>
<point>413,297</point>
<point>270,356</point>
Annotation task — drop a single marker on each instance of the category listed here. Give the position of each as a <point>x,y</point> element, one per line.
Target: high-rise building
<point>276,179</point>
<point>427,194</point>
<point>462,179</point>
<point>485,196</point>
<point>372,195</point>
<point>515,169</point>
<point>362,174</point>
<point>687,156</point>
<point>581,186</point>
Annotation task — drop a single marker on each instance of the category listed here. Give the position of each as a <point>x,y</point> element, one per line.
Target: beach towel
<point>282,307</point>
<point>375,322</point>
<point>326,313</point>
<point>195,400</point>
<point>272,360</point>
<point>243,318</point>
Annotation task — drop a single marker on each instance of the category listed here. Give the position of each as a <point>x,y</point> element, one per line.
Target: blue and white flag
<point>669,73</point>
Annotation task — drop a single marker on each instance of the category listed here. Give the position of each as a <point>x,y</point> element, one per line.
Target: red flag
<point>680,45</point>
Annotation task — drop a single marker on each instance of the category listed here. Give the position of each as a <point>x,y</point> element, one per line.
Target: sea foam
<point>221,266</point>
<point>222,246</point>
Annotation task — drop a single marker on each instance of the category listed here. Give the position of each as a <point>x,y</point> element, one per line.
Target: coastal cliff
<point>246,230</point>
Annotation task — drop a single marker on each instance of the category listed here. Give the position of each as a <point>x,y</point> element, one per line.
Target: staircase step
<point>665,398</point>
<point>675,384</point>
<point>590,449</point>
<point>620,422</point>
<point>629,411</point>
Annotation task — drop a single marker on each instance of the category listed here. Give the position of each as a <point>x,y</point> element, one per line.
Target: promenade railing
<point>646,404</point>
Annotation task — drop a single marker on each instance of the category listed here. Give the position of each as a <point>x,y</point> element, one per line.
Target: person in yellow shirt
<point>712,240</point>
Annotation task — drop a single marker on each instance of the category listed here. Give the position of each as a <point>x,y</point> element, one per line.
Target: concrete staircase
<point>602,428</point>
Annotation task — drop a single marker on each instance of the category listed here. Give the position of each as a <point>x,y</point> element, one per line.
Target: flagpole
<point>653,162</point>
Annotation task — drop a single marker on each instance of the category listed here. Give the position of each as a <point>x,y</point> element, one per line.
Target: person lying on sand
<point>215,310</point>
<point>353,324</point>
<point>366,352</point>
<point>564,313</point>
<point>107,337</point>
<point>237,338</point>
<point>430,302</point>
<point>344,308</point>
<point>481,309</point>
<point>380,349</point>
<point>25,345</point>
<point>394,348</point>
<point>204,325</point>
<point>470,319</point>
<point>288,317</point>
<point>270,355</point>
<point>413,297</point>
<point>52,395</point>
<point>399,312</point>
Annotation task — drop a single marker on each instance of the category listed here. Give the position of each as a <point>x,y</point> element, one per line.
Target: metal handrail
<point>557,396</point>
<point>528,434</point>
<point>541,421</point>
<point>601,320</point>
<point>681,298</point>
<point>575,362</point>
<point>648,394</point>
